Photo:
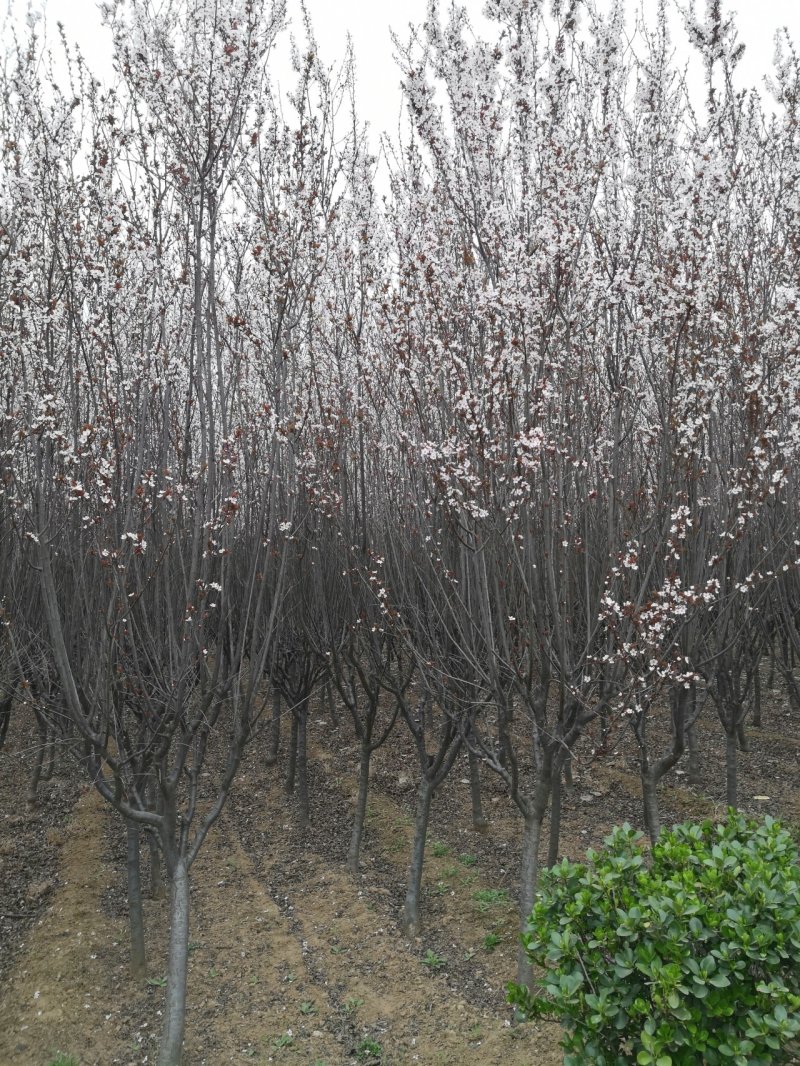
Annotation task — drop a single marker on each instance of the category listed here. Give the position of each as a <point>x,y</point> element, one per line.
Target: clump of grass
<point>439,849</point>
<point>490,897</point>
<point>368,1049</point>
<point>62,1059</point>
<point>491,940</point>
<point>432,960</point>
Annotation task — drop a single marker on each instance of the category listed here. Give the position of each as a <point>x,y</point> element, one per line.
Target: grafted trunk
<point>480,822</point>
<point>411,919</point>
<point>135,918</point>
<point>171,1047</point>
<point>354,851</point>
<point>533,813</point>
<point>731,767</point>
<point>529,875</point>
<point>555,819</point>
<point>652,816</point>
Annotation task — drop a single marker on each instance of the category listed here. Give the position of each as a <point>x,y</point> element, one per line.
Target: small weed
<point>290,978</point>
<point>307,1007</point>
<point>369,1049</point>
<point>440,850</point>
<point>351,1004</point>
<point>157,982</point>
<point>476,1033</point>
<point>285,1040</point>
<point>491,940</point>
<point>490,897</point>
<point>338,949</point>
<point>60,1059</point>
<point>193,946</point>
<point>213,972</point>
<point>432,960</point>
<point>441,888</point>
<point>468,955</point>
<point>451,871</point>
<point>254,980</point>
<point>467,860</point>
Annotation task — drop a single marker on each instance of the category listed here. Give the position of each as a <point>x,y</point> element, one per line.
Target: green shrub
<point>692,958</point>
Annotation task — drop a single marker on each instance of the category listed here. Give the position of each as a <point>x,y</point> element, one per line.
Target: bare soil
<point>292,960</point>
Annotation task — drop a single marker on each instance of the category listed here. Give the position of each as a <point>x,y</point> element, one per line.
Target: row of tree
<point>507,454</point>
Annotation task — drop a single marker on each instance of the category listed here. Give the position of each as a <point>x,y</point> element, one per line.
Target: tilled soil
<point>291,958</point>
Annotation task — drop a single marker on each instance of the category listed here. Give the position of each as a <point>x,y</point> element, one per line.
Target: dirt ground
<point>291,959</point>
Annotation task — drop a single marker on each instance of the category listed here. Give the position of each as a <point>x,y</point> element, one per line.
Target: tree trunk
<point>135,918</point>
<point>731,766</point>
<point>175,1008</point>
<point>411,919</point>
<point>480,823</point>
<point>354,851</point>
<point>50,761</point>
<point>36,773</point>
<point>741,735</point>
<point>302,765</point>
<point>693,767</point>
<point>568,768</point>
<point>555,818</point>
<point>791,688</point>
<point>5,717</point>
<point>274,729</point>
<point>157,890</point>
<point>757,697</point>
<point>292,765</point>
<point>329,703</point>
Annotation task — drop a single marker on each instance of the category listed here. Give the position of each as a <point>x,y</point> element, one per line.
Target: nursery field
<point>292,960</point>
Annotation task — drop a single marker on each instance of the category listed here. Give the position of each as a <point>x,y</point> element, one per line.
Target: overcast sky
<point>369,23</point>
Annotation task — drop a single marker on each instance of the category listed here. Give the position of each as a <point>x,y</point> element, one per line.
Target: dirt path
<point>370,986</point>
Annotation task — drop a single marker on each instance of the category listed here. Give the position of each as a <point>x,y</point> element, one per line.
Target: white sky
<point>369,23</point>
